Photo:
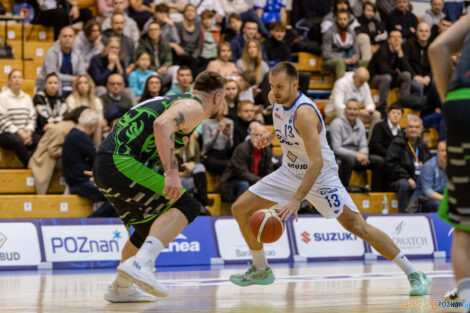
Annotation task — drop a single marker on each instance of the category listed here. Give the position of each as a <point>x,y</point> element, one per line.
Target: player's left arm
<point>183,116</point>
<point>308,126</point>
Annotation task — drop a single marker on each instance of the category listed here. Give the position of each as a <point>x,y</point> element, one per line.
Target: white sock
<point>150,249</point>
<point>402,261</point>
<point>122,281</point>
<point>259,259</point>
<point>463,286</point>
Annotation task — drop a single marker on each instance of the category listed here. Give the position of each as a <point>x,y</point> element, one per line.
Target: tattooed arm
<point>184,116</point>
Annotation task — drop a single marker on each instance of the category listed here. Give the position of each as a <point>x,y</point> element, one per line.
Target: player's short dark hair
<point>209,81</point>
<point>286,67</point>
<point>249,77</point>
<point>162,8</point>
<point>397,105</point>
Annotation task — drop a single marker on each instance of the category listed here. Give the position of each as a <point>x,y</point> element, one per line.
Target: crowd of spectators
<point>134,51</point>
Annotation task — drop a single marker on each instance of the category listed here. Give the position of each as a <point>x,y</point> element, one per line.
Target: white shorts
<point>281,185</point>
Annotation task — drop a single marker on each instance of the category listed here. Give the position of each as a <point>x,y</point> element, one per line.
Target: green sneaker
<point>419,283</point>
<point>253,277</point>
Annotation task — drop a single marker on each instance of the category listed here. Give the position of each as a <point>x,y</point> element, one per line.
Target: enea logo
<point>181,244</point>
<point>83,244</point>
<point>333,236</point>
<point>3,239</point>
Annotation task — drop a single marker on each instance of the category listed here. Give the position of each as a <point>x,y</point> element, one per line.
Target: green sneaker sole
<point>237,281</point>
<point>423,291</point>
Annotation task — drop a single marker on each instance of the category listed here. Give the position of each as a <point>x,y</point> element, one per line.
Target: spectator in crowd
<point>382,136</point>
<point>234,26</point>
<point>105,7</point>
<point>153,88</point>
<point>405,157</point>
<point>58,14</point>
<point>167,27</point>
<point>115,101</point>
<point>49,150</point>
<point>434,15</point>
<point>231,98</point>
<point>222,64</point>
<point>141,11</point>
<point>246,84</point>
<point>210,37</point>
<point>245,115</point>
<point>271,11</point>
<point>83,94</point>
<point>107,63</point>
<point>385,7</point>
<point>176,8</point>
<point>217,142</point>
<point>248,164</point>
<point>402,19</point>
<point>88,41</point>
<point>251,60</point>
<point>139,76</point>
<point>389,68</point>
<point>358,7</point>
<point>241,10</point>
<point>78,154</point>
<point>431,182</point>
<point>184,78</point>
<point>371,26</point>
<point>50,107</point>
<point>249,31</point>
<point>353,85</point>
<point>329,20</point>
<point>63,60</point>
<point>276,49</point>
<point>339,47</point>
<point>17,119</point>
<point>161,59</point>
<point>416,51</point>
<point>438,29</point>
<point>189,31</point>
<point>127,44</point>
<point>349,143</point>
<point>131,30</point>
<point>212,5</point>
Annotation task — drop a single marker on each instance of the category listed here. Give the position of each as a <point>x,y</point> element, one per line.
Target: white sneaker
<point>114,293</point>
<point>451,295</point>
<point>141,273</point>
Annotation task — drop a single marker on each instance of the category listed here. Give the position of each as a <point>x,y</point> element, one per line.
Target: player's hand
<point>266,139</point>
<point>292,207</point>
<point>89,173</point>
<point>173,187</point>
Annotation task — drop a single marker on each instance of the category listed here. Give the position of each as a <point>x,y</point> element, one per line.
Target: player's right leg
<point>259,273</point>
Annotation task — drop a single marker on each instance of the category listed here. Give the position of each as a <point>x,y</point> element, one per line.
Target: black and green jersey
<point>133,134</point>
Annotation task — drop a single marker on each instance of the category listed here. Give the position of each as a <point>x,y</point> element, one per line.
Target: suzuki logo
<point>3,238</point>
<point>305,237</point>
<point>399,228</point>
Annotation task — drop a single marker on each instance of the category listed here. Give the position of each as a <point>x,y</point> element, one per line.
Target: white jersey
<point>295,158</point>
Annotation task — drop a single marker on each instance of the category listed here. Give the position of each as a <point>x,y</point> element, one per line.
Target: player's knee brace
<point>189,206</point>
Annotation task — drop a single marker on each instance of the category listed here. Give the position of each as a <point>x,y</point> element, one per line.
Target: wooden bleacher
<point>21,181</point>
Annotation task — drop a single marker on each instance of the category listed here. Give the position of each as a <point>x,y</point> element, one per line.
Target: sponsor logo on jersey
<point>297,166</point>
<point>284,140</point>
<point>291,156</point>
<point>324,191</point>
<point>185,140</point>
<point>278,116</point>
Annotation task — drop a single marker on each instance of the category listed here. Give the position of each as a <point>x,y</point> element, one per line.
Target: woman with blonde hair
<point>222,64</point>
<point>251,60</point>
<point>83,94</point>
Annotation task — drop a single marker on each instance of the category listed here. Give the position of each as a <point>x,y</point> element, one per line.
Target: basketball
<point>266,226</point>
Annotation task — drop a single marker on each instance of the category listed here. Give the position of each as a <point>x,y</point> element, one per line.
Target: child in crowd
<point>138,77</point>
<point>210,39</point>
<point>275,47</point>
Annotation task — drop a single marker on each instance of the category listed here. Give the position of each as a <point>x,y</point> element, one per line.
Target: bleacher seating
<point>21,181</point>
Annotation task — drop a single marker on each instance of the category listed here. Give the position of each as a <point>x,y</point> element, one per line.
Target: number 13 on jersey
<point>333,200</point>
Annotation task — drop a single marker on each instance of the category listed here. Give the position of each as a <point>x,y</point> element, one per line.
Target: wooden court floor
<point>350,287</point>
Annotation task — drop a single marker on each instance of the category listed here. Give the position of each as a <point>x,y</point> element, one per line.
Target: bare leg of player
<point>259,273</point>
<point>460,262</point>
<point>355,223</point>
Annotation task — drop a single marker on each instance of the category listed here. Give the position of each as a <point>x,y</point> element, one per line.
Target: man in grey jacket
<point>349,143</point>
<point>62,60</point>
<point>131,29</point>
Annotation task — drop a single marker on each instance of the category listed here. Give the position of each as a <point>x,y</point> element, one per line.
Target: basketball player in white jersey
<point>309,171</point>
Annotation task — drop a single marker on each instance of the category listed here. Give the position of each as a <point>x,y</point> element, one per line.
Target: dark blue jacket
<point>99,71</point>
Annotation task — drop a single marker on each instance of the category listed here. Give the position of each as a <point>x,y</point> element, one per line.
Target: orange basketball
<point>266,226</point>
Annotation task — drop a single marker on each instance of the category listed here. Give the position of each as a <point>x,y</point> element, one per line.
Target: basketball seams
<point>261,227</point>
